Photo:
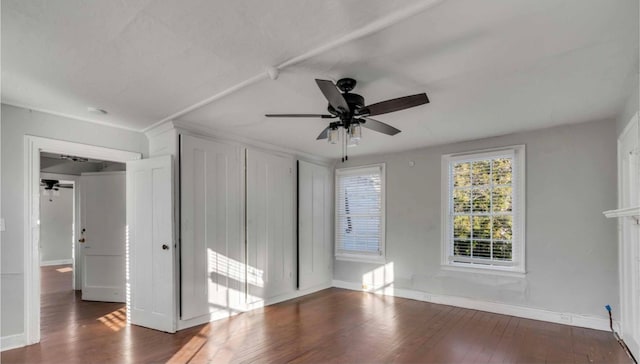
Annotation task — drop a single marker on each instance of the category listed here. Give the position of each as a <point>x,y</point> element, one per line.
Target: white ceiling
<point>489,67</point>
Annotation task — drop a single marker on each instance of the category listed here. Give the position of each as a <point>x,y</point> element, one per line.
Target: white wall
<point>15,124</point>
<point>571,248</point>
<point>630,107</point>
<point>56,224</point>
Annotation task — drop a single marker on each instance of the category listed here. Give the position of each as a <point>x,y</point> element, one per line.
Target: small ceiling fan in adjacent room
<point>350,113</point>
<point>52,187</point>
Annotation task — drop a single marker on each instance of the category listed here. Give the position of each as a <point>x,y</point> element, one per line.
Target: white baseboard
<point>565,318</point>
<point>11,342</point>
<point>55,262</point>
<point>218,315</point>
<point>289,296</point>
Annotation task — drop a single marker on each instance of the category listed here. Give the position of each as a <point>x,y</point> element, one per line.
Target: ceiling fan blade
<point>398,104</point>
<point>379,126</point>
<point>322,116</point>
<point>324,134</point>
<point>335,98</point>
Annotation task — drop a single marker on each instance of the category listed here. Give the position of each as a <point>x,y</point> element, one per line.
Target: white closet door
<point>314,225</point>
<point>212,240</point>
<point>103,222</point>
<point>270,217</point>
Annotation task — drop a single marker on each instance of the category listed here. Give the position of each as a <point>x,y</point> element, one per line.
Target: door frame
<point>33,145</point>
<point>625,228</point>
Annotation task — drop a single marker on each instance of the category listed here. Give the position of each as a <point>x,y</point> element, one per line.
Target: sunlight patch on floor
<point>192,347</point>
<point>115,320</point>
<point>65,270</point>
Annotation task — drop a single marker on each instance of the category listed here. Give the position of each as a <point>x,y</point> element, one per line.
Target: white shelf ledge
<point>624,212</point>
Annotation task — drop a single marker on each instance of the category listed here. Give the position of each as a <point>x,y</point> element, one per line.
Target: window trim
<point>519,210</point>
<point>362,257</point>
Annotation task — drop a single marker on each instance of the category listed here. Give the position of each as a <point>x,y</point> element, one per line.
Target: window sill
<point>362,258</point>
<point>507,272</point>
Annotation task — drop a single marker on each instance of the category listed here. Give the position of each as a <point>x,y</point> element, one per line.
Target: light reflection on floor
<point>115,320</point>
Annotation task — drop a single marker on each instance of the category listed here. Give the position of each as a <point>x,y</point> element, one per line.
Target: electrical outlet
<point>1,224</point>
<point>565,318</point>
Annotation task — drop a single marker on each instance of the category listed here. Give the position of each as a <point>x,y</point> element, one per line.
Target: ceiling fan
<point>52,187</point>
<point>351,113</point>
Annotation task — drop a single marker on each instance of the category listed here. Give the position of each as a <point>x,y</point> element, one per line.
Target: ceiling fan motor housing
<point>346,84</point>
<point>354,101</point>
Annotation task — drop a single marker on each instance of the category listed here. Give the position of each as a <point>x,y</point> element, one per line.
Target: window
<point>360,213</point>
<point>483,209</point>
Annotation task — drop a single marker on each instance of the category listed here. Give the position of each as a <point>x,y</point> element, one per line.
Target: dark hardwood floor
<point>333,325</point>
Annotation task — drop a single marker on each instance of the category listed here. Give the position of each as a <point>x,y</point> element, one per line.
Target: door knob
<point>165,247</point>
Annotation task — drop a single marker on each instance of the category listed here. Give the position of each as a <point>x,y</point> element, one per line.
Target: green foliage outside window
<point>482,200</point>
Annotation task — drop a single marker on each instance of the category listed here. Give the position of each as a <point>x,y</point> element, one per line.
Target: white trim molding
<point>33,145</point>
<point>48,263</point>
<point>11,342</point>
<point>517,153</point>
<point>565,318</point>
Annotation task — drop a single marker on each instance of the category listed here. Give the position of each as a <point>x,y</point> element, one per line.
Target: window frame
<point>361,256</point>
<point>518,211</point>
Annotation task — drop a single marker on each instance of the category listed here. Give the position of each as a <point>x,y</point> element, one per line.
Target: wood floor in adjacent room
<point>333,325</point>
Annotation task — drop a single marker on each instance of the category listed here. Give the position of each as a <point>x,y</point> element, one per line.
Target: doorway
<point>34,146</point>
<point>88,194</point>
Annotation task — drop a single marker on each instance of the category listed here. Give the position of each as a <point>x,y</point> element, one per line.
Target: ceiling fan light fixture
<point>355,133</point>
<point>333,136</point>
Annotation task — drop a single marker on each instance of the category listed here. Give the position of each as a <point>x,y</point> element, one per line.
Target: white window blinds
<point>484,207</point>
<point>360,211</point>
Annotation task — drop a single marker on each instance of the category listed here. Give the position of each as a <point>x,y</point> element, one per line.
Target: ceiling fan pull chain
<point>346,137</point>
<point>342,144</point>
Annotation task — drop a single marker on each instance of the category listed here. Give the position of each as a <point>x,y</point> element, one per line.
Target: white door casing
<point>103,229</point>
<point>629,254</point>
<point>33,145</point>
<point>150,243</point>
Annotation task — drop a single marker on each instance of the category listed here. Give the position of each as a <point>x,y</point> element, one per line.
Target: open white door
<point>150,244</point>
<point>102,242</point>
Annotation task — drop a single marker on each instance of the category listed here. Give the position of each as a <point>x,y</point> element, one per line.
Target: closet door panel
<point>212,240</point>
<point>270,250</point>
<point>314,225</point>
